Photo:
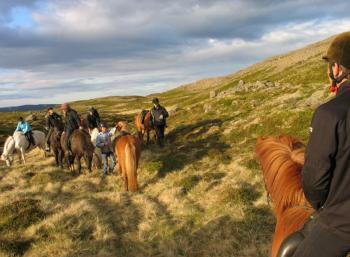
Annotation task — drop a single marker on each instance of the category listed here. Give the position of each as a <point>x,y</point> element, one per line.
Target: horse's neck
<point>9,146</point>
<point>94,134</point>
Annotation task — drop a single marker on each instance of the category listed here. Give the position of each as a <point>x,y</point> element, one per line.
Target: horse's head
<point>6,158</point>
<point>122,126</point>
<point>9,147</point>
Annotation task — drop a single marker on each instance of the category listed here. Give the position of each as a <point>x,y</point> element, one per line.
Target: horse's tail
<point>131,167</point>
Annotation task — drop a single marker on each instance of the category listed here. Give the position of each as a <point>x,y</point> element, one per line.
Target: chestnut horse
<point>81,146</point>
<point>128,152</point>
<point>146,127</point>
<point>282,159</point>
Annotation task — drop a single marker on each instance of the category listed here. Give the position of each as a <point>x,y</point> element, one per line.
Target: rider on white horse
<point>24,127</point>
<point>18,141</point>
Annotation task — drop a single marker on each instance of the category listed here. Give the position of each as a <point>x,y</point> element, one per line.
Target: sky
<point>54,51</point>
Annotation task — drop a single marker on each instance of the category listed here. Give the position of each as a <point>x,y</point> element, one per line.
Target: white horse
<point>97,152</point>
<point>19,141</point>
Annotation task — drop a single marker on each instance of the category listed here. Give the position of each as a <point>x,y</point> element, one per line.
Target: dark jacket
<point>159,115</point>
<point>326,172</point>
<point>52,120</point>
<point>72,120</point>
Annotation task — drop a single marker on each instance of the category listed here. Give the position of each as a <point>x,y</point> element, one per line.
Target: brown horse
<point>282,159</point>
<point>55,143</point>
<point>128,152</point>
<point>146,127</point>
<point>81,146</point>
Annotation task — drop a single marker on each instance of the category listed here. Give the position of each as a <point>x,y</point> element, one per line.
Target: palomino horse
<point>55,143</point>
<point>146,127</point>
<point>282,159</point>
<point>19,141</point>
<point>128,152</point>
<point>81,146</point>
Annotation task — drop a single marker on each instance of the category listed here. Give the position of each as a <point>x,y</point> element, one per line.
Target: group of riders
<point>71,121</point>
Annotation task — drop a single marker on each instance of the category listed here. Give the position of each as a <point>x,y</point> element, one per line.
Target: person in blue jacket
<point>24,127</point>
<point>103,141</point>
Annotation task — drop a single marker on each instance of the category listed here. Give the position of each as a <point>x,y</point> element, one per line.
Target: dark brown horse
<point>81,146</point>
<point>282,159</point>
<point>55,143</point>
<point>145,127</point>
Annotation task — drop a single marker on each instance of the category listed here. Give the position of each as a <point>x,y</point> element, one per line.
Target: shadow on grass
<point>226,236</point>
<point>190,144</point>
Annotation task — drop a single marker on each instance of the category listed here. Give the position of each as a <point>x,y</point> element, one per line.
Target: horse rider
<point>159,115</point>
<point>326,172</point>
<point>53,119</point>
<point>103,141</point>
<point>72,122</point>
<point>24,127</point>
<point>93,119</point>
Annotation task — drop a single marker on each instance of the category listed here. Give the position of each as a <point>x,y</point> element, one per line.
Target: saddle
<point>291,243</point>
<point>30,138</point>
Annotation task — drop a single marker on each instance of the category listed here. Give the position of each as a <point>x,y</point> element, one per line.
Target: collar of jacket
<point>344,87</point>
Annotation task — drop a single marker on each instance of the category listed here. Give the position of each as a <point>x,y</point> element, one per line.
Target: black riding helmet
<point>103,125</point>
<point>339,52</point>
<point>155,100</point>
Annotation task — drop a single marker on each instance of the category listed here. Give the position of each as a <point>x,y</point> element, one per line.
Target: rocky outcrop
<point>249,87</point>
<point>212,94</point>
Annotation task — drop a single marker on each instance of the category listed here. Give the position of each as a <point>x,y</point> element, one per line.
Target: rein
<point>270,203</point>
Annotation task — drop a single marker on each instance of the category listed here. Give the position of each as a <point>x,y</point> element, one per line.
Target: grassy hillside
<point>201,196</point>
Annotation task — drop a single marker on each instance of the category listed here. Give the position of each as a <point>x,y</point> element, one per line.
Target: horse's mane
<point>282,159</point>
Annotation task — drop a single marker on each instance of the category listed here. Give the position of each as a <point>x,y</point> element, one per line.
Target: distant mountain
<point>26,108</point>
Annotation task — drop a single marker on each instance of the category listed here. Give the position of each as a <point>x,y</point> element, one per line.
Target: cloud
<point>94,48</point>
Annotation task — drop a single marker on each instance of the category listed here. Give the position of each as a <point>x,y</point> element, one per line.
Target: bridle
<point>334,76</point>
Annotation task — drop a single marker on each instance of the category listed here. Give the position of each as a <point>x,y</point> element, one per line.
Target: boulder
<point>207,108</point>
<point>240,83</point>
<point>315,99</point>
<point>212,94</point>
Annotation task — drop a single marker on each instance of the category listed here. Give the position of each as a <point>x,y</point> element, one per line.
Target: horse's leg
<point>71,162</point>
<point>56,157</point>
<point>23,155</point>
<point>89,163</point>
<point>147,131</point>
<point>120,169</point>
<point>79,164</point>
<point>126,183</point>
<point>60,158</point>
<point>19,154</point>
